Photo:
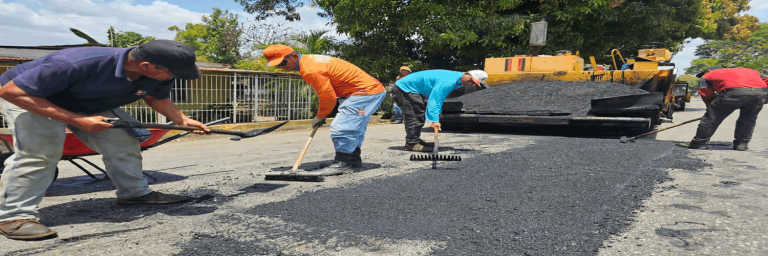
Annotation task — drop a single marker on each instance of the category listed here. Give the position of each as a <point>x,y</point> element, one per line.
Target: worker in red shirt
<point>725,90</point>
<point>358,93</point>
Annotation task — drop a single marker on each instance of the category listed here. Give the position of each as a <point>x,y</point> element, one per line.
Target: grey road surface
<point>522,193</point>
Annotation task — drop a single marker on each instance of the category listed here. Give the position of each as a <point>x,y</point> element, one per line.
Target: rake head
<point>434,157</point>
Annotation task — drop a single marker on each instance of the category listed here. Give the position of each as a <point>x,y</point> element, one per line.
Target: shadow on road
<point>85,184</point>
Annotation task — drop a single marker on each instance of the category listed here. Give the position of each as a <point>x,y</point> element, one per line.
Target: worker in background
<point>397,112</point>
<point>421,96</point>
<point>358,93</point>
<point>725,90</point>
<point>78,89</point>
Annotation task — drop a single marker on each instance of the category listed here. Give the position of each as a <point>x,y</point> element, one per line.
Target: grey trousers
<point>38,144</point>
<point>414,107</point>
<point>749,102</point>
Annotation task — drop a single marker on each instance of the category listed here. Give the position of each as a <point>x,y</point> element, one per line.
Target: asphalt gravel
<point>542,98</point>
<point>559,196</point>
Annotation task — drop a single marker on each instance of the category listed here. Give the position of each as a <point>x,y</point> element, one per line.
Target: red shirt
<point>720,79</point>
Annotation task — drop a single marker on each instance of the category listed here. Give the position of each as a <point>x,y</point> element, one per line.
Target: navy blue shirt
<point>84,80</point>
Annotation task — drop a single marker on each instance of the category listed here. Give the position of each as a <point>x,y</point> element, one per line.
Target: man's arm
<point>169,109</point>
<point>326,96</point>
<point>37,105</point>
<point>706,91</point>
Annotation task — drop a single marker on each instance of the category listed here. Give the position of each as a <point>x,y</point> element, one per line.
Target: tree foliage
<point>217,39</point>
<point>124,39</point>
<point>457,34</point>
<point>312,42</point>
<point>752,53</point>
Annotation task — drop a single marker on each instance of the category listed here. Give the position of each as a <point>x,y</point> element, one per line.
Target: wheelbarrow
<point>74,149</point>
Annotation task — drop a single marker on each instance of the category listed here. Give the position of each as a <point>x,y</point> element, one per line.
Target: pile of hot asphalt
<point>542,98</point>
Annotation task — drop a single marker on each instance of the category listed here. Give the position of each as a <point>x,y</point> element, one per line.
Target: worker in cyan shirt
<point>411,91</point>
<point>358,93</point>
<point>725,90</point>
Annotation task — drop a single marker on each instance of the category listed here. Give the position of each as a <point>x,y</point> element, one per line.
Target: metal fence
<point>245,96</point>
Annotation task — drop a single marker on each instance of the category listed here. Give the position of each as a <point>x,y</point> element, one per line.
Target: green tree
<point>217,39</point>
<point>124,39</point>
<point>752,53</point>
<point>459,35</point>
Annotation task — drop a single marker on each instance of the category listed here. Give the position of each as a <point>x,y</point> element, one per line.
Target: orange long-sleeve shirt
<point>332,78</point>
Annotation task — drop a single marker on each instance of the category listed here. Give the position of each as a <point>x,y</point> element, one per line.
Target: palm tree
<point>313,42</point>
<point>83,35</point>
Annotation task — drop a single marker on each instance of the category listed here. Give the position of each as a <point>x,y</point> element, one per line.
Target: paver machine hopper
<point>650,71</point>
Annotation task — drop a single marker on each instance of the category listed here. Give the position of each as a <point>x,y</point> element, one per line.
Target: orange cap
<point>405,68</point>
<point>276,53</point>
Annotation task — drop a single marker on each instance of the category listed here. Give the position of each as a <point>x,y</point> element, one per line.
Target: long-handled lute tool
<point>294,174</point>
<point>249,134</point>
<point>434,157</point>
<point>625,139</point>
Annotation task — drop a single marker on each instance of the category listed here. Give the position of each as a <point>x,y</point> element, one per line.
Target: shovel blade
<point>434,157</point>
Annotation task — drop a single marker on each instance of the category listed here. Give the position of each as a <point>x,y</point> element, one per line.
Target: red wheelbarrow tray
<point>74,148</point>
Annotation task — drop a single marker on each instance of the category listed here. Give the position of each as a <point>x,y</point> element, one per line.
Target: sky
<point>47,22</point>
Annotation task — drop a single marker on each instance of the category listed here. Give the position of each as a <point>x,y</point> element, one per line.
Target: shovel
<point>434,157</point>
<point>625,139</point>
<point>294,174</point>
<point>252,133</point>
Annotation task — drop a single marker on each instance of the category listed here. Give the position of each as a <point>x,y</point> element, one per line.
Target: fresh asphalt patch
<point>560,196</point>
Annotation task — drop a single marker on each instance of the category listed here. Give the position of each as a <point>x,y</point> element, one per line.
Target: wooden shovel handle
<point>304,151</point>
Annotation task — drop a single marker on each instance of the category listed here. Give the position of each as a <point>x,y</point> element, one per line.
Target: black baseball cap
<point>177,57</point>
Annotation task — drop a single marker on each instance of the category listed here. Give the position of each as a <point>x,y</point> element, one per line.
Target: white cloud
<point>50,24</point>
<point>759,5</point>
<point>309,21</point>
<point>683,58</point>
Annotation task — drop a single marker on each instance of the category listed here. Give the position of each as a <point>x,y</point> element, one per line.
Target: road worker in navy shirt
<point>78,89</point>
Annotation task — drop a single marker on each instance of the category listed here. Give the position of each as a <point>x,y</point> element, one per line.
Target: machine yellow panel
<point>654,54</point>
<point>646,65</point>
<point>534,64</point>
<point>630,77</point>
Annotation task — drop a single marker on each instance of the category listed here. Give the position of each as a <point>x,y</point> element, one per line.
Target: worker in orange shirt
<point>359,95</point>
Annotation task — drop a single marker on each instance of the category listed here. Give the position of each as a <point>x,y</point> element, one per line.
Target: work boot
<point>417,147</point>
<point>342,164</point>
<point>694,144</point>
<point>356,161</point>
<point>153,198</point>
<point>28,229</point>
<point>427,144</point>
<point>740,146</point>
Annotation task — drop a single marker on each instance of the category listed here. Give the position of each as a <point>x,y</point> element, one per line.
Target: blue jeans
<point>397,112</point>
<point>349,125</point>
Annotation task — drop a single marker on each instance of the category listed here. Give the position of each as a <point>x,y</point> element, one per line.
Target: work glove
<point>318,121</point>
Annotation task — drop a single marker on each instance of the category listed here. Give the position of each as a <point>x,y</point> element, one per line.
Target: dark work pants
<point>749,102</point>
<point>414,106</point>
